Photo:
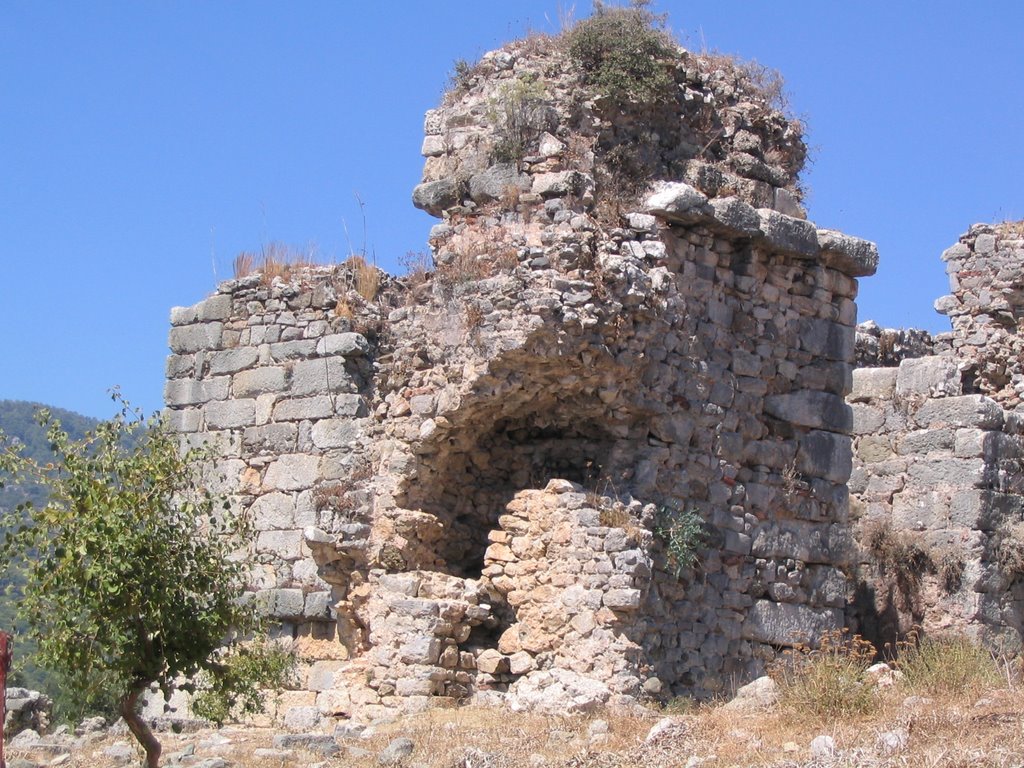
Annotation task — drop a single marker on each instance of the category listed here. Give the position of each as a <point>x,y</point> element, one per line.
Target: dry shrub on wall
<point>276,260</point>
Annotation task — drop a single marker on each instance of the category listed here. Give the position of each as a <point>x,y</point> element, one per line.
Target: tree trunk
<point>139,728</point>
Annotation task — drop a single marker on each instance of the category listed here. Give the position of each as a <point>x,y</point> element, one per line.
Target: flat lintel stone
<point>850,255</point>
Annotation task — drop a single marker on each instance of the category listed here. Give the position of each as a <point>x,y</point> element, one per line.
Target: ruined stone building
<point>600,451</point>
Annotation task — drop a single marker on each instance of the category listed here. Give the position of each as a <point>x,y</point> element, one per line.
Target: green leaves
<point>127,574</point>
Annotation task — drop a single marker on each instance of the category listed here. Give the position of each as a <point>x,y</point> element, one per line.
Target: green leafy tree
<point>132,568</point>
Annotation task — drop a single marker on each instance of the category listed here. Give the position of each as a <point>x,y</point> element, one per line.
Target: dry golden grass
<point>978,729</point>
<point>276,260</point>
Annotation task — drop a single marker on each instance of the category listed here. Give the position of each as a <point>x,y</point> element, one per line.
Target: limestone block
<point>195,392</point>
<point>318,376</point>
<point>257,381</point>
<point>230,414</point>
<point>797,539</point>
<point>963,411</point>
<point>873,384</point>
<point>872,449</point>
<point>284,544</point>
<point>866,418</point>
<point>421,649</point>
<point>274,511</point>
<point>622,599</point>
<point>520,663</point>
<point>179,366</point>
<point>736,216</point>
<point>921,442</point>
<point>562,183</point>
<point>963,473</point>
<point>931,376</point>
<point>435,196</point>
<point>679,203</point>
<point>810,408</point>
<point>983,443</point>
<point>321,675</point>
<point>301,408</point>
<point>233,360</point>
<point>787,235</point>
<point>292,350</point>
<point>826,455</point>
<point>850,255</point>
<point>344,344</point>
<point>301,718</point>
<point>789,623</point>
<point>183,421</point>
<point>185,339</point>
<point>493,182</point>
<point>217,307</point>
<point>336,433</point>
<point>492,662</point>
<point>281,603</point>
<point>292,472</point>
<point>919,509</point>
<point>270,438</point>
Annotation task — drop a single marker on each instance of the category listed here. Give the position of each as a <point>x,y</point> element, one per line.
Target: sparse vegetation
<point>518,115</point>
<point>683,533</point>
<point>234,693</point>
<point>898,555</point>
<point>948,666</point>
<point>827,680</point>
<point>623,53</point>
<point>275,260</point>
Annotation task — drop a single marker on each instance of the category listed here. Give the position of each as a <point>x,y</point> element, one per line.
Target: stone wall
<point>463,480</point>
<point>937,487</point>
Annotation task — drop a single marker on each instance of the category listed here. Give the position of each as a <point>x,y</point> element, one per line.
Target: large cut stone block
<point>292,472</point>
<point>826,455</point>
<point>964,411</point>
<point>797,539</point>
<point>230,414</point>
<point>789,624</point>
<point>931,376</point>
<point>184,339</point>
<point>195,392</point>
<point>873,384</point>
<point>810,408</point>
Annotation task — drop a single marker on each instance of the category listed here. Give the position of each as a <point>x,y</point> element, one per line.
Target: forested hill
<point>18,420</point>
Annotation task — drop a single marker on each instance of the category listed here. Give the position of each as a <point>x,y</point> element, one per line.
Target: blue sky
<point>144,144</point>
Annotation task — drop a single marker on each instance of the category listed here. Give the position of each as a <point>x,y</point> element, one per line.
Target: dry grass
<point>276,260</point>
<point>954,732</point>
<point>1011,228</point>
<point>828,681</point>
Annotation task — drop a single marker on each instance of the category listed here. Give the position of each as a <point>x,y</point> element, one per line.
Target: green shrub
<point>237,691</point>
<point>827,681</point>
<point>948,665</point>
<point>622,53</point>
<point>683,533</point>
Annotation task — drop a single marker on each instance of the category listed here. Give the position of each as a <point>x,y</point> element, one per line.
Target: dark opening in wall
<point>467,484</point>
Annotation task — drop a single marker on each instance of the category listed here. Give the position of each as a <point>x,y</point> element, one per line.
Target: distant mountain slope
<point>18,420</point>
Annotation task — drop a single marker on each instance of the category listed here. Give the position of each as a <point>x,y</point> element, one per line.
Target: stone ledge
<point>680,203</point>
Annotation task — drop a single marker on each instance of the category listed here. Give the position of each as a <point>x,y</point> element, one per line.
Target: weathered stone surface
<point>792,236</point>
<point>292,472</point>
<point>789,624</point>
<point>344,344</point>
<point>928,376</point>
<point>819,410</point>
<point>184,339</point>
<point>494,182</point>
<point>850,255</point>
<point>678,203</point>
<point>435,196</point>
<point>964,411</point>
<point>873,384</point>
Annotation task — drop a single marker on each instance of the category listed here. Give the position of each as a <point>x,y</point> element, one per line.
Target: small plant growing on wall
<point>518,115</point>
<point>683,533</point>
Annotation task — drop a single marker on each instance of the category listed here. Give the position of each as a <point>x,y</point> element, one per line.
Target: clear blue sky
<point>144,144</point>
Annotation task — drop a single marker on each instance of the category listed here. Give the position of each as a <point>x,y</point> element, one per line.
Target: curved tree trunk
<point>139,728</point>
